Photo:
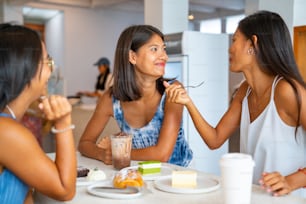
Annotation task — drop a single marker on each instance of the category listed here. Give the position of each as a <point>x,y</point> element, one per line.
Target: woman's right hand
<point>105,145</point>
<point>176,93</point>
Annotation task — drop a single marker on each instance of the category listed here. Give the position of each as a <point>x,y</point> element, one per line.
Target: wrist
<point>62,130</point>
<point>303,171</point>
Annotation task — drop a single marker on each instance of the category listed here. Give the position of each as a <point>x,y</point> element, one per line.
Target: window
<point>232,23</point>
<point>211,26</point>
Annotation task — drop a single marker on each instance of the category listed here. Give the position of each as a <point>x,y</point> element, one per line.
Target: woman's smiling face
<point>151,58</point>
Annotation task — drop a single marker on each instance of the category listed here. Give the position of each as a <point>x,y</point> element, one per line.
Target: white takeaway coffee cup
<point>236,178</point>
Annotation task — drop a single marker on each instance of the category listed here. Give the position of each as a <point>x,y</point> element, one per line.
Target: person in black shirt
<point>104,80</point>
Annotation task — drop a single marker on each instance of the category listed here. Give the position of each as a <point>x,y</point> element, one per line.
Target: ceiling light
<point>191,17</point>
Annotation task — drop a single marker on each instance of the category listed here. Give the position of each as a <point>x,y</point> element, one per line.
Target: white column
<point>170,16</point>
<point>10,13</point>
<point>283,7</point>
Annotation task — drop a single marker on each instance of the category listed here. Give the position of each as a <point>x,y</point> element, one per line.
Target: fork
<point>195,86</point>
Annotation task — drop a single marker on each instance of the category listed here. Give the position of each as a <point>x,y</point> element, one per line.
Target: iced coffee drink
<point>121,150</point>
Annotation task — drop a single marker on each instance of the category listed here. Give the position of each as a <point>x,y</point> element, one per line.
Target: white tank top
<point>271,142</point>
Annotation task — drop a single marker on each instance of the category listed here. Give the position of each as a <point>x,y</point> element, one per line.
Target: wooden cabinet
<point>300,48</point>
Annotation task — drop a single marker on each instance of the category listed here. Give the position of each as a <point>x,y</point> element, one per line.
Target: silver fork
<point>195,86</point>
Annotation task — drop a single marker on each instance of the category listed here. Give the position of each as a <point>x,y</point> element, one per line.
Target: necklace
<point>257,106</point>
<point>11,111</point>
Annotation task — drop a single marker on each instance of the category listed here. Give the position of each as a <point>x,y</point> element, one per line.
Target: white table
<point>156,196</point>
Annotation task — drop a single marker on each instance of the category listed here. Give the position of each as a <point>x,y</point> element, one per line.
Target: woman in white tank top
<point>269,106</point>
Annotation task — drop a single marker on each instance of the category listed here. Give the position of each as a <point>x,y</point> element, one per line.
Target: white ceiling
<point>201,9</point>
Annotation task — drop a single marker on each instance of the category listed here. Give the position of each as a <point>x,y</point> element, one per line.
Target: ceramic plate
<point>164,171</point>
<point>204,185</point>
<point>106,190</point>
<point>82,181</point>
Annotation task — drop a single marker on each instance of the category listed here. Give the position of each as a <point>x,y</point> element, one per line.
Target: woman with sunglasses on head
<point>24,167</point>
<point>269,106</point>
<point>137,102</point>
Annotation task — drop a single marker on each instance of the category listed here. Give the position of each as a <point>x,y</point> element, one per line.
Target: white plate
<point>204,185</point>
<point>82,181</point>
<point>164,171</point>
<point>98,190</point>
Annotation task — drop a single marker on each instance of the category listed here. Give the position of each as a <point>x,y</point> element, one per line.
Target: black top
<point>100,85</point>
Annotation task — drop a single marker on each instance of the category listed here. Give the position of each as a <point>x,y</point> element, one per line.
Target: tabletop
<point>153,195</point>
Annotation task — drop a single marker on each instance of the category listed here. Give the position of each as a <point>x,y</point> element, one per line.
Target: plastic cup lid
<point>230,159</point>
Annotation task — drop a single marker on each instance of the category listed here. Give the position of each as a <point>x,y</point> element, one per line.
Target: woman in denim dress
<point>138,103</point>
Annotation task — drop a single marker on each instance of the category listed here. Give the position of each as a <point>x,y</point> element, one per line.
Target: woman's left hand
<point>55,107</point>
<point>275,183</point>
<point>105,145</point>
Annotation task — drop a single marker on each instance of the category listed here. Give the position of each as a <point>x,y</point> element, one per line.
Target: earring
<point>251,51</point>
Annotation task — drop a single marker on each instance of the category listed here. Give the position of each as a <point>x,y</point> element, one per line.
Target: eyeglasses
<point>50,62</point>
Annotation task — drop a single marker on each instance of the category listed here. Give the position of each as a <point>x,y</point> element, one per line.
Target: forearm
<point>206,131</point>
<point>150,153</point>
<point>297,179</point>
<point>66,159</point>
<point>90,149</point>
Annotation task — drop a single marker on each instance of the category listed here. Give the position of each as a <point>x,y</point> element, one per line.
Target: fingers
<point>166,84</point>
<point>105,145</point>
<point>55,107</point>
<point>174,92</point>
<point>275,183</point>
<point>107,158</point>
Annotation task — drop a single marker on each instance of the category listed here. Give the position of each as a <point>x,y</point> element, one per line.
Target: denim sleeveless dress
<point>147,135</point>
<point>12,189</point>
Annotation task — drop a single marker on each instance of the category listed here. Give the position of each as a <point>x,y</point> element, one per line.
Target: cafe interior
<point>79,32</point>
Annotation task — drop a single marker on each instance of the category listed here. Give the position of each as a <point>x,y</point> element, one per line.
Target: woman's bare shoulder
<point>285,94</point>
<point>14,136</point>
<point>241,91</point>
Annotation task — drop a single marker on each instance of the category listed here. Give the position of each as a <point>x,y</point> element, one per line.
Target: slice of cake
<point>82,171</point>
<point>184,179</point>
<point>149,167</point>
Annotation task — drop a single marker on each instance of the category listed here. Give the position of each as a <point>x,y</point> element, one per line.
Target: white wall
<point>283,7</point>
<point>78,37</point>
<point>299,14</point>
<point>90,34</point>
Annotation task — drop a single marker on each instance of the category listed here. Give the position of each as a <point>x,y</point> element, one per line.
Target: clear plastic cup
<point>121,150</point>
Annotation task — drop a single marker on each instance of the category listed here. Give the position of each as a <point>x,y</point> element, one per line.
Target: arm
<point>20,152</point>
<point>89,93</point>
<point>169,129</point>
<point>213,137</point>
<point>87,145</point>
<point>274,181</point>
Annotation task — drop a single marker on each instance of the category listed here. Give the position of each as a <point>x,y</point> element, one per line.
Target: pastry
<point>128,177</point>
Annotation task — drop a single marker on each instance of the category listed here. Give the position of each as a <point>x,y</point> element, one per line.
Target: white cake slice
<point>184,179</point>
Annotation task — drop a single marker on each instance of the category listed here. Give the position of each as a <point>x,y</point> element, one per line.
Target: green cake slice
<point>149,167</point>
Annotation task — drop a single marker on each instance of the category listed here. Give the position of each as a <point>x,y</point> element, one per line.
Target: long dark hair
<point>125,87</point>
<point>273,50</point>
<point>20,54</point>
